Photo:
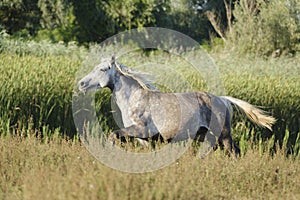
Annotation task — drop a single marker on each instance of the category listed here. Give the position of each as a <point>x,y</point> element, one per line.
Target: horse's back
<point>180,115</point>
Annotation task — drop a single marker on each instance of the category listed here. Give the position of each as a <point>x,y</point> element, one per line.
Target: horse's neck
<point>124,89</point>
<point>127,92</point>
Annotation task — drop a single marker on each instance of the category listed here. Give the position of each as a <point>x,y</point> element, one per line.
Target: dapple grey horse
<point>147,112</point>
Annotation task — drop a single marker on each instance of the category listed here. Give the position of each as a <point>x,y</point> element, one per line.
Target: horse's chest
<point>133,109</point>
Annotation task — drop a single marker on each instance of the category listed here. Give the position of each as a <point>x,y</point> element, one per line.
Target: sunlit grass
<point>39,161</point>
<point>63,169</point>
<point>37,90</point>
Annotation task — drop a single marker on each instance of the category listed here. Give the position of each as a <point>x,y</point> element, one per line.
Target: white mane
<point>141,78</point>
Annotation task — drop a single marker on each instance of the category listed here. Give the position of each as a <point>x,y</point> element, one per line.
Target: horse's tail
<point>255,114</point>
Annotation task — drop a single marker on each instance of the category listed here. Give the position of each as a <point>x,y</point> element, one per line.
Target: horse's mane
<point>140,77</point>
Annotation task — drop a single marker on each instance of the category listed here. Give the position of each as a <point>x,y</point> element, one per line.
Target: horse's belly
<point>176,117</point>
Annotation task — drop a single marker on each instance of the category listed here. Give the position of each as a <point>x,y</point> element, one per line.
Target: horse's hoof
<point>112,143</point>
<point>112,139</point>
<point>205,149</point>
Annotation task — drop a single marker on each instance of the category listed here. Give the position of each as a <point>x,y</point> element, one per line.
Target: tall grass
<point>37,91</point>
<point>273,84</point>
<point>38,163</point>
<point>61,169</point>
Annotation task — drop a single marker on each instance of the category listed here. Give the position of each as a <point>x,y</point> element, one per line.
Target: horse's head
<point>101,76</point>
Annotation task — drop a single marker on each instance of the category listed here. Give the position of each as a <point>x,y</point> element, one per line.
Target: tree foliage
<point>255,26</point>
<point>20,15</point>
<point>95,20</point>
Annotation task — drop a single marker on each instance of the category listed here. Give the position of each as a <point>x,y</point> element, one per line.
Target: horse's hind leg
<point>226,143</point>
<point>225,139</point>
<point>208,141</point>
<point>143,143</point>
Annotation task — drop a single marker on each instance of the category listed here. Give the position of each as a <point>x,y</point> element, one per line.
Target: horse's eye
<point>104,70</point>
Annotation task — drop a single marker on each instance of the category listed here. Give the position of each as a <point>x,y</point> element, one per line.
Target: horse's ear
<point>113,59</point>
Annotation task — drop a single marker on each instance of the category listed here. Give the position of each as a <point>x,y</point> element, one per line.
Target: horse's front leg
<point>132,131</point>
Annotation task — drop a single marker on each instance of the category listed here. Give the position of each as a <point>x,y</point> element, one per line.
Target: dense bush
<point>42,48</point>
<point>275,26</point>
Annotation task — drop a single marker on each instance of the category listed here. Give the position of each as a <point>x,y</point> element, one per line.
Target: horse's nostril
<point>81,83</point>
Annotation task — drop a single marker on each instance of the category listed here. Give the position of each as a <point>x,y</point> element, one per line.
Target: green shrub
<point>275,26</point>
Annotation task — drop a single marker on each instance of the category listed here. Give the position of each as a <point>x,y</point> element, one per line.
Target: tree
<point>220,13</point>
<point>18,15</point>
<point>98,19</point>
<point>57,20</point>
<point>184,18</point>
<point>88,21</point>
